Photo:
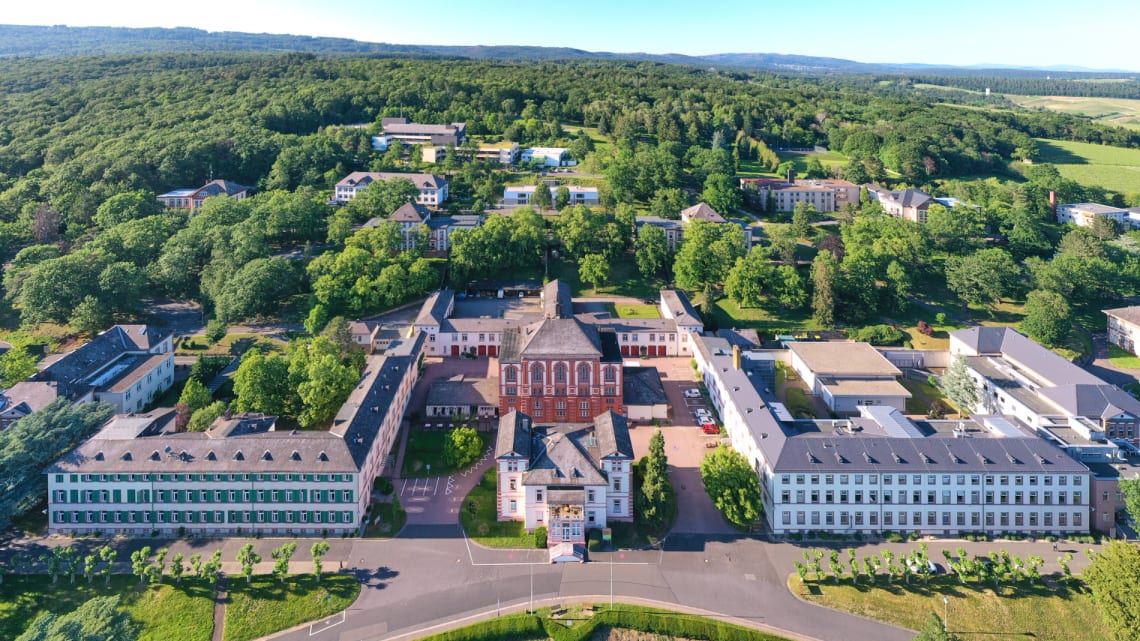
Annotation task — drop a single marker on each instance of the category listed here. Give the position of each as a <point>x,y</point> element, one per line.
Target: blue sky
<point>1099,34</point>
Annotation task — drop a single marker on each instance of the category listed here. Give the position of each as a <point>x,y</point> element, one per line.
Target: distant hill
<point>61,41</point>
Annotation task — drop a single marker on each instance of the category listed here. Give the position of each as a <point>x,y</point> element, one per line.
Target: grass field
<point>633,311</point>
<point>234,344</point>
<point>480,521</point>
<point>1121,358</point>
<point>1109,111</point>
<point>624,280</point>
<point>426,449</point>
<point>750,168</point>
<point>974,613</point>
<point>164,612</point>
<point>1113,168</point>
<point>267,605</point>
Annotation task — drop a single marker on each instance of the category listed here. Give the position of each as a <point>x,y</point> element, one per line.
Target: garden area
<point>985,594</point>
<point>435,453</point>
<point>479,518</point>
<point>627,310</point>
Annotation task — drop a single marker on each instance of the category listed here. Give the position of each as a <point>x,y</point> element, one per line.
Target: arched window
<point>560,374</point>
<point>611,375</point>
<point>536,373</point>
<point>512,375</point>
<point>584,375</point>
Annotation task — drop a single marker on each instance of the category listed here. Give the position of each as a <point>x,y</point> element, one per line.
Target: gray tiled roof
<point>642,386</point>
<point>551,337</point>
<point>921,455</point>
<point>1096,401</point>
<point>514,435</point>
<point>364,178</point>
<point>410,213</point>
<point>613,435</point>
<point>461,390</point>
<point>681,309</point>
<point>434,309</point>
<point>562,461</point>
<point>702,211</point>
<point>72,372</point>
<point>359,419</point>
<point>1126,314</point>
<point>556,300</point>
<point>1024,351</point>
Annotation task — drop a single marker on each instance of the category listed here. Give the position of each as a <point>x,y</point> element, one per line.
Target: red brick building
<point>560,370</point>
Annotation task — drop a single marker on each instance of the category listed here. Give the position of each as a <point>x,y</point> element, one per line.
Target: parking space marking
<point>326,624</point>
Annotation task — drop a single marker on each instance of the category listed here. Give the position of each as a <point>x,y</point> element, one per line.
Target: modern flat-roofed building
<point>1083,214</point>
<point>550,156</point>
<point>414,133</point>
<point>139,475</point>
<point>848,375</point>
<point>432,188</point>
<point>524,195</point>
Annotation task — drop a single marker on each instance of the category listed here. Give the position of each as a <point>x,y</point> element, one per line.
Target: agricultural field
<point>1109,111</point>
<point>1113,168</point>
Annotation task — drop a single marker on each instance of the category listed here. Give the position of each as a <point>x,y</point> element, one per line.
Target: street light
<point>945,614</point>
<point>531,588</point>
<point>611,580</point>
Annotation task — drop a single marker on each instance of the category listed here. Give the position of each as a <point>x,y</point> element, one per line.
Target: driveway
<point>1102,367</point>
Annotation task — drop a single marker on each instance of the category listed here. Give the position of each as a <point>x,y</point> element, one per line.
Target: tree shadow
<point>377,578</point>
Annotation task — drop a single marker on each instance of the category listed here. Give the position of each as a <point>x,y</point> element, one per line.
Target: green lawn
<point>798,402</point>
<point>165,612</point>
<point>922,395</point>
<point>480,519</point>
<point>426,449</point>
<point>633,311</point>
<point>975,613</point>
<point>1114,168</point>
<point>765,319</point>
<point>267,605</point>
<point>234,344</point>
<point>1121,358</point>
<point>624,280</point>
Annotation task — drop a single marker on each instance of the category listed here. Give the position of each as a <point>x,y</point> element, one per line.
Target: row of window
<point>590,494</point>
<point>203,516</point>
<point>561,374</point>
<point>513,508</point>
<point>932,496</point>
<point>118,478</point>
<point>537,410</point>
<point>933,479</point>
<point>203,496</point>
<point>511,390</point>
<point>945,519</point>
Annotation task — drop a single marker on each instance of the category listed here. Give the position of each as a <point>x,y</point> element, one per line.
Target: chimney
<point>736,356</point>
<point>1053,203</point>
<point>791,175</point>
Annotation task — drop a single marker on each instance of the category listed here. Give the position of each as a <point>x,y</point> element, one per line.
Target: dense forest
<point>85,143</point>
<point>1118,87</point>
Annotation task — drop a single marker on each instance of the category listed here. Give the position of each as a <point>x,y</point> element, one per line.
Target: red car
<point>709,428</point>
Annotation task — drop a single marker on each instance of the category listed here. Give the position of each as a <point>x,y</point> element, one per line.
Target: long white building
<point>138,475</point>
<point>880,471</point>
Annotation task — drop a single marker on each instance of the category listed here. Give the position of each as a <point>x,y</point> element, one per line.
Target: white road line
<point>403,487</point>
<point>436,490</point>
<point>326,624</point>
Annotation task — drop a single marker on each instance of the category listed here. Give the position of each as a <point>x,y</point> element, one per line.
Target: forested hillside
<point>85,143</point>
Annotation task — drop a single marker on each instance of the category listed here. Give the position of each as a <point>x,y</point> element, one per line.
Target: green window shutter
<point>116,496</point>
<point>74,494</point>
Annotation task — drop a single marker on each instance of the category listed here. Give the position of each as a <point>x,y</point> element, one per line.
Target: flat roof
<point>836,358</point>
<point>857,387</point>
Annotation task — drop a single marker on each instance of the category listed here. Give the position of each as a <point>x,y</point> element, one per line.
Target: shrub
<point>540,537</point>
<point>937,409</point>
<point>382,485</point>
<point>940,319</point>
<point>893,537</point>
<point>215,331</point>
<point>878,335</point>
<point>463,447</point>
<point>925,329</point>
<point>207,367</point>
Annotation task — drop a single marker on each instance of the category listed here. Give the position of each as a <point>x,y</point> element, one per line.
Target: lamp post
<point>611,580</point>
<point>945,614</point>
<point>531,565</point>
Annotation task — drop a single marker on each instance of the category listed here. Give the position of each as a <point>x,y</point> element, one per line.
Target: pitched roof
<point>1022,350</point>
<point>410,213</point>
<point>434,309</point>
<point>102,360</point>
<point>563,461</point>
<point>642,386</point>
<point>612,433</point>
<point>460,390</point>
<point>513,438</point>
<point>551,337</point>
<point>556,300</point>
<point>702,211</point>
<point>678,307</point>
<point>1096,401</point>
<point>1126,314</point>
<point>216,187</point>
<point>361,179</point>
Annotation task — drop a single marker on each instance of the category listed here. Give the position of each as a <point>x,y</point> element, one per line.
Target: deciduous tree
<point>1048,318</point>
<point>732,485</point>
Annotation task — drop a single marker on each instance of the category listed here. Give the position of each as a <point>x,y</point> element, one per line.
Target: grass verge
<point>1123,359</point>
<point>392,518</point>
<point>164,612</point>
<point>266,605</point>
<point>974,612</point>
<point>479,517</point>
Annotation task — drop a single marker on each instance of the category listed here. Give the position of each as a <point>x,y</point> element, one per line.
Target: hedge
<point>525,627</point>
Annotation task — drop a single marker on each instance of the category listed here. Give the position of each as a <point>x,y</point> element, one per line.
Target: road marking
<point>326,624</point>
<point>749,577</point>
<point>403,487</point>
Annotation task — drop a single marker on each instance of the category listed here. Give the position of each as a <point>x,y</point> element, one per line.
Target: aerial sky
<point>1044,33</point>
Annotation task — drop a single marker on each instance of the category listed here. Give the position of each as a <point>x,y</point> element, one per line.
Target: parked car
<point>702,415</point>
<point>692,393</point>
<point>709,428</point>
